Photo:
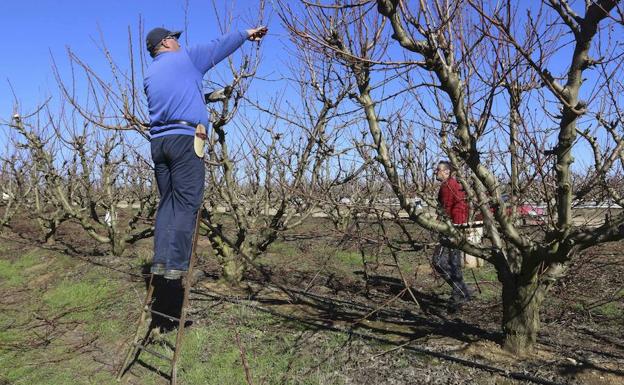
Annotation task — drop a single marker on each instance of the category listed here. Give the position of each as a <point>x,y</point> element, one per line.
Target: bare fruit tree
<point>499,91</point>
<point>268,174</point>
<point>84,176</point>
<point>16,184</point>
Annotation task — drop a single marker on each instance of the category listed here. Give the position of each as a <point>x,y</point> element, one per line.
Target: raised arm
<point>206,56</point>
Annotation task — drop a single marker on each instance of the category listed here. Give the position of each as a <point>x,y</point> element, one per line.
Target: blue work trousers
<point>447,262</point>
<point>180,175</point>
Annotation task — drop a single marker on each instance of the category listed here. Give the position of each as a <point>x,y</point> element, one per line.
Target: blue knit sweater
<point>173,83</point>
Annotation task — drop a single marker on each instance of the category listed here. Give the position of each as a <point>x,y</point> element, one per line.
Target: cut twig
<point>241,349</point>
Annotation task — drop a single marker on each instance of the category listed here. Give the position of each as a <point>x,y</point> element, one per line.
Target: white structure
<point>474,233</point>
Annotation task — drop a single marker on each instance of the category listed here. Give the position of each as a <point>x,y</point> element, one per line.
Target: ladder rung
<point>170,318</point>
<point>152,352</point>
<point>136,347</point>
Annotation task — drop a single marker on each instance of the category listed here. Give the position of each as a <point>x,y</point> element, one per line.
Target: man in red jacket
<point>447,261</point>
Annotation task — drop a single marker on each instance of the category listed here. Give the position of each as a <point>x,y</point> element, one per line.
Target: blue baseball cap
<point>155,36</point>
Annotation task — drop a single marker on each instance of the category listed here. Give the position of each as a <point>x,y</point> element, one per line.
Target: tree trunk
<point>118,245</point>
<point>233,269</point>
<point>232,266</point>
<point>521,320</point>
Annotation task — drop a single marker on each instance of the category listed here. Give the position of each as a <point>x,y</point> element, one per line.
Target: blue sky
<point>35,30</point>
<point>38,30</point>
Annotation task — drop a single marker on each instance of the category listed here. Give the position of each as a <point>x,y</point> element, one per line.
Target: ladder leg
<point>187,280</point>
<point>132,349</point>
<point>180,334</point>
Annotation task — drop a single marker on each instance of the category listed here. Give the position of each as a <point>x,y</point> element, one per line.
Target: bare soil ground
<point>324,317</point>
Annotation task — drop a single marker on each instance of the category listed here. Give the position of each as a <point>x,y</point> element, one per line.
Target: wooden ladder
<point>141,344</point>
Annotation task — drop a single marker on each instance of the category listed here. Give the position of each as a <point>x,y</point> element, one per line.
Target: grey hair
<point>154,51</point>
<point>447,165</point>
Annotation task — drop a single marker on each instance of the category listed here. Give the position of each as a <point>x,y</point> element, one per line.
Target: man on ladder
<point>178,117</point>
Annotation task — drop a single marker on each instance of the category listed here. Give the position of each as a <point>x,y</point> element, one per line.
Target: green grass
<point>9,274</point>
<point>273,351</point>
<point>485,273</point>
<point>284,249</point>
<point>141,257</point>
<point>610,309</point>
<point>67,372</point>
<point>408,263</point>
<point>488,282</point>
<point>12,272</point>
<point>349,258</point>
<point>578,307</point>
<point>83,296</point>
<point>50,294</point>
<point>9,337</point>
<point>211,352</point>
<point>107,329</point>
<point>489,293</point>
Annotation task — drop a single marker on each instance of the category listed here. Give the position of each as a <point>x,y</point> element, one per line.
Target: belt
<point>168,122</point>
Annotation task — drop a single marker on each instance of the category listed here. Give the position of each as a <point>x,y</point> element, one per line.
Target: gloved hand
<point>258,33</point>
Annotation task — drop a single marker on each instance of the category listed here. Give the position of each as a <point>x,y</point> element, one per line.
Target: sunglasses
<point>170,37</point>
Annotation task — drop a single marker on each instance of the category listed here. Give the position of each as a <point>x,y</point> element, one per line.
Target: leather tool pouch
<point>200,140</point>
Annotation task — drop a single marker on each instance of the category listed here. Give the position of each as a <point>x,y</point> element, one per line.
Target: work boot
<point>462,293</point>
<point>458,300</point>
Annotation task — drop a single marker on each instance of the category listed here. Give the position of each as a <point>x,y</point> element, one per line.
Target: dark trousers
<point>180,176</point>
<point>447,262</point>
